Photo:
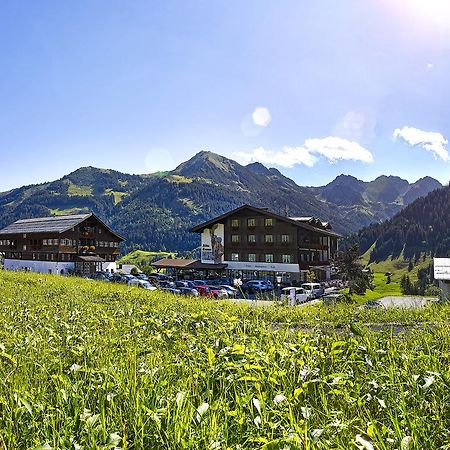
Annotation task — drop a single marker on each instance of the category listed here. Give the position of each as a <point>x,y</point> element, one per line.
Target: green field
<point>142,258</point>
<point>87,365</point>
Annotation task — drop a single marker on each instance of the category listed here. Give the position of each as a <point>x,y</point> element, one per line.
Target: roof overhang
<point>186,264</point>
<point>326,232</point>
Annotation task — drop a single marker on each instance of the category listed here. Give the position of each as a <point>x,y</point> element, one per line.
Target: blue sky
<point>314,88</point>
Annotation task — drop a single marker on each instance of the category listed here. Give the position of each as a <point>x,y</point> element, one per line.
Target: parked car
<point>117,278</point>
<point>160,276</point>
<point>142,276</point>
<point>189,291</point>
<point>231,291</point>
<point>128,277</point>
<point>99,276</point>
<point>171,290</point>
<point>294,295</point>
<point>204,291</point>
<point>167,285</point>
<point>141,284</point>
<point>218,292</point>
<point>253,286</point>
<point>315,290</point>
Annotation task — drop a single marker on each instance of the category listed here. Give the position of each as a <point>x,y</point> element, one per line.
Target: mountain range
<point>421,228</point>
<point>155,211</point>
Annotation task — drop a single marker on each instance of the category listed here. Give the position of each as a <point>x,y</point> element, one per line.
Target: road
<point>405,302</point>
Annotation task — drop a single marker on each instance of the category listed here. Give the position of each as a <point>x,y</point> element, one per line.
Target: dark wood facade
<point>254,235</point>
<point>249,232</point>
<point>82,239</point>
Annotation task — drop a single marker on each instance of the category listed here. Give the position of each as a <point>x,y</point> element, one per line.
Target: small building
<point>442,274</point>
<point>79,244</point>
<point>256,243</point>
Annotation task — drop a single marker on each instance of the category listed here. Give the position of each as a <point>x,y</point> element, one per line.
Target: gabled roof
<point>299,223</point>
<point>53,224</point>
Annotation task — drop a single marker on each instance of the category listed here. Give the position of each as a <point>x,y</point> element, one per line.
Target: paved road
<point>405,302</point>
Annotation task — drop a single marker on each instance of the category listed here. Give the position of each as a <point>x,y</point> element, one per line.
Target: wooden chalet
<point>80,244</point>
<point>254,242</point>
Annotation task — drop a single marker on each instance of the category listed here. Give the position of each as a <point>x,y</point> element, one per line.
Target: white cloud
<point>429,140</point>
<point>288,157</point>
<point>261,116</point>
<point>331,148</point>
<point>335,148</point>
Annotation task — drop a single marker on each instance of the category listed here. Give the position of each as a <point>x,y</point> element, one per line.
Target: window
<point>269,238</point>
<point>24,246</point>
<point>235,223</point>
<point>252,257</point>
<point>286,259</point>
<point>234,238</point>
<point>235,257</point>
<point>251,238</point>
<point>285,238</point>
<point>268,222</point>
<point>269,258</point>
<point>251,222</point>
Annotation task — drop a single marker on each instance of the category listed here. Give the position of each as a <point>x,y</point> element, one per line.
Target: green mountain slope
<point>423,227</point>
<point>156,211</point>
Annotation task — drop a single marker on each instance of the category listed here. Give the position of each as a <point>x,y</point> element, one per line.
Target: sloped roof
<point>327,232</point>
<point>52,224</point>
<point>186,264</point>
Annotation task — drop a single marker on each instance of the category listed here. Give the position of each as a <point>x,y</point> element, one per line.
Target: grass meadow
<point>87,365</point>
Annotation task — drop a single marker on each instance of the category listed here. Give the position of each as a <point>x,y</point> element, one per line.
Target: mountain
<point>373,201</point>
<point>156,211</point>
<point>420,228</point>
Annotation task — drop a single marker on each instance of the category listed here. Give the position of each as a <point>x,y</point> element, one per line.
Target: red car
<point>204,291</point>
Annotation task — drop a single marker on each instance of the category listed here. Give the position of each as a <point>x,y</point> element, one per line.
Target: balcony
<point>312,246</point>
<point>305,265</point>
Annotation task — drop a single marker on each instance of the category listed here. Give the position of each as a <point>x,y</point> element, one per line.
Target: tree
<point>348,266</point>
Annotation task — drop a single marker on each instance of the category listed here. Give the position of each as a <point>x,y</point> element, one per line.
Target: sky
<point>314,88</point>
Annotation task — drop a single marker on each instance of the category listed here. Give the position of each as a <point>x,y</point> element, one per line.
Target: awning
<point>173,263</point>
<point>186,264</point>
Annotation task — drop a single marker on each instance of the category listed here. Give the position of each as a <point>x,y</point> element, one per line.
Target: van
<point>314,290</point>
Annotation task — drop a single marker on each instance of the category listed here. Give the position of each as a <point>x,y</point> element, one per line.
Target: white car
<point>314,290</point>
<point>294,295</point>
<point>141,284</point>
<point>231,291</point>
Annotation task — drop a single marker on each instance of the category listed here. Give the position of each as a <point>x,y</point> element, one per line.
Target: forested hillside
<point>156,211</point>
<point>423,227</point>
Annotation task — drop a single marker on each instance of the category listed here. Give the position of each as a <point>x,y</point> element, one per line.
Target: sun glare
<point>435,11</point>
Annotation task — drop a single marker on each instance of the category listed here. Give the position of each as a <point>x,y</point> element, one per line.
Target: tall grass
<point>86,365</point>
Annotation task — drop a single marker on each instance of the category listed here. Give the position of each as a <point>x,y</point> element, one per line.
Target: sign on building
<point>212,250</point>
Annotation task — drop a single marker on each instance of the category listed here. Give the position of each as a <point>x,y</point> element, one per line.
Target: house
<point>80,244</point>
<point>256,243</point>
<point>442,274</point>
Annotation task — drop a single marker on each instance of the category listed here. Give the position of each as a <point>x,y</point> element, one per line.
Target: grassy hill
<point>86,364</point>
<point>156,211</point>
<point>143,258</point>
